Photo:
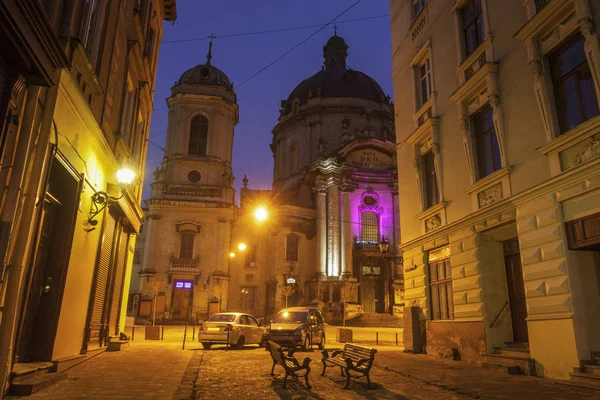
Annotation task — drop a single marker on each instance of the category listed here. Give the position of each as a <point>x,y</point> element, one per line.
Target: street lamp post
<point>260,214</point>
<point>384,246</point>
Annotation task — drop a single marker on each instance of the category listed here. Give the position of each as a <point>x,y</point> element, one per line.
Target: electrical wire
<point>297,45</point>
<point>322,26</point>
<point>273,30</point>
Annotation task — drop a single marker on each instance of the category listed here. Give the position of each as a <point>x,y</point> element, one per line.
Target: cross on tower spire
<point>209,55</point>
<point>335,29</point>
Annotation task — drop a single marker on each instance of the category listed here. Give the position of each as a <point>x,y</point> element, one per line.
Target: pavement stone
<point>145,370</point>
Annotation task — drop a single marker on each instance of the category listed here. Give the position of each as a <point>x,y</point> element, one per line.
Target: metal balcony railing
<point>360,245</point>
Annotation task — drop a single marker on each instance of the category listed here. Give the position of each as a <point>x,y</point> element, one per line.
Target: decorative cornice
<point>489,180</point>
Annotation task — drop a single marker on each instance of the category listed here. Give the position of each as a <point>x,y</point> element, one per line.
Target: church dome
<point>205,74</point>
<point>335,79</point>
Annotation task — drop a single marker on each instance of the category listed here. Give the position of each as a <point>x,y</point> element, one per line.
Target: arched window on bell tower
<point>198,136</point>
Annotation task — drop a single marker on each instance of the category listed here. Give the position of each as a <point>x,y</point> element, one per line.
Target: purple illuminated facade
<point>335,195</point>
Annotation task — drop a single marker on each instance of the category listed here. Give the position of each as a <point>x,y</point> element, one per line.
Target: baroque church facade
<point>334,197</point>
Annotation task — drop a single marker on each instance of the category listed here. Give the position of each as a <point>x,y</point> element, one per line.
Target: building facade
<point>500,222</point>
<point>185,262</point>
<point>334,195</point>
<point>67,258</point>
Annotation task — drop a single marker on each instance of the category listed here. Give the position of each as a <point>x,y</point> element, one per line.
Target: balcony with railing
<point>185,265</point>
<point>365,246</point>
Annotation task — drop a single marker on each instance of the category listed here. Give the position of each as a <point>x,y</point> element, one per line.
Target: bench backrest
<point>355,353</point>
<point>276,352</point>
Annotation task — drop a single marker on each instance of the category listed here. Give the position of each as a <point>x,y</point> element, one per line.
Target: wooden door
<point>181,303</point>
<point>516,295</point>
<point>41,288</point>
<point>368,294</point>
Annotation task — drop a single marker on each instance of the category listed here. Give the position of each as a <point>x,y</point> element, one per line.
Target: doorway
<point>48,269</point>
<point>516,291</point>
<point>182,299</point>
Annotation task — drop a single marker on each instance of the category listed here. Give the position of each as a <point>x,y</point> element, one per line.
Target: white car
<point>237,329</point>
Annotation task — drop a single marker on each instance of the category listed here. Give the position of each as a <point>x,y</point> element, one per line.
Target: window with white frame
<point>472,25</point>
<point>575,95</point>
<point>369,226</point>
<point>425,84</point>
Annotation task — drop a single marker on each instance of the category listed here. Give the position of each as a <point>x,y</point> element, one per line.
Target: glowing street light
<point>261,214</point>
<point>232,254</point>
<point>242,246</point>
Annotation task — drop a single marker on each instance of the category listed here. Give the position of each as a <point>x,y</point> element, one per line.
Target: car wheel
<point>305,343</point>
<point>206,346</point>
<point>322,342</point>
<point>240,343</point>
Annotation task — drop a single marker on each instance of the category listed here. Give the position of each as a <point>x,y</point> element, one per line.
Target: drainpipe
<point>26,223</point>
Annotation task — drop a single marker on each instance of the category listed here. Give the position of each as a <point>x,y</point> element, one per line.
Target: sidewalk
<point>145,370</point>
<point>460,377</point>
<point>474,381</point>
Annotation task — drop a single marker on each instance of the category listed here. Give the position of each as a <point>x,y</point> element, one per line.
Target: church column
<point>150,245</point>
<point>321,191</point>
<point>347,263</point>
<point>333,202</point>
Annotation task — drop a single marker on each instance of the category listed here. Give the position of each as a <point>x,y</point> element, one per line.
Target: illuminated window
<point>187,244</point>
<point>198,136</point>
<point>370,227</point>
<point>291,247</point>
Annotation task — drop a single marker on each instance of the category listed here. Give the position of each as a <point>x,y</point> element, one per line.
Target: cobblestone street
<point>161,370</point>
<point>251,379</point>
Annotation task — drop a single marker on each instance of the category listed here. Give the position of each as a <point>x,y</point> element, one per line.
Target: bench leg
<point>273,369</point>
<point>285,379</point>
<point>368,380</point>
<point>306,378</point>
<point>347,379</point>
<point>324,367</point>
<point>342,371</point>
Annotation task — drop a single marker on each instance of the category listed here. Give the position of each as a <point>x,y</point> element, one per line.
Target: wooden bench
<point>352,358</point>
<point>288,362</point>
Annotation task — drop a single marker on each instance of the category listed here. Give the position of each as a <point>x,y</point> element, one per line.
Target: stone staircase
<point>375,320</point>
<point>28,378</point>
<point>514,358</point>
<point>588,374</point>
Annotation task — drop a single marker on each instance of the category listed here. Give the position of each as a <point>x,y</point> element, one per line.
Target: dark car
<point>298,326</point>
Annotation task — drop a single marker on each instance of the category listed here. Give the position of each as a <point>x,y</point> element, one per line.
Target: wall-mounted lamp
<point>102,199</point>
<point>384,246</point>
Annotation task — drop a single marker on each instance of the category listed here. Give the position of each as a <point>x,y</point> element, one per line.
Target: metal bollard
<point>377,338</point>
<point>193,333</point>
<point>162,334</point>
<point>396,338</point>
<point>228,329</point>
<point>132,332</point>
<point>184,336</point>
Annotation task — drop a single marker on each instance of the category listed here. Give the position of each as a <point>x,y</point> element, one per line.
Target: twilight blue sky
<point>241,57</point>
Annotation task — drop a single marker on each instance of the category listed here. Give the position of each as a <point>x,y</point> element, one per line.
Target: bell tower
<point>202,115</point>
